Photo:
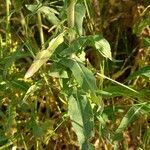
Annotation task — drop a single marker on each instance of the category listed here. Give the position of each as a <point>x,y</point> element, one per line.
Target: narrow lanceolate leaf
<point>144,72</point>
<point>81,116</point>
<point>44,55</point>
<point>83,76</point>
<point>39,60</point>
<point>31,90</point>
<point>126,121</point>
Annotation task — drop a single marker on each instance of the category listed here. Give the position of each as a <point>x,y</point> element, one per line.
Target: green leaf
<point>97,100</point>
<point>146,42</point>
<point>44,55</point>
<point>75,47</point>
<point>2,114</point>
<point>144,72</point>
<point>117,90</point>
<point>98,42</point>
<point>31,90</point>
<point>127,119</point>
<point>79,15</point>
<point>10,122</point>
<point>58,70</point>
<point>8,61</point>
<point>47,11</point>
<point>83,76</point>
<point>50,14</point>
<point>101,44</point>
<point>17,5</point>
<point>39,129</point>
<point>81,115</point>
<point>146,138</point>
<point>39,60</point>
<point>141,23</point>
<point>34,8</point>
<point>19,84</point>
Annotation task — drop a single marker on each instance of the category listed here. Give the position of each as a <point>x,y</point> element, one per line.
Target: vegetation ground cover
<point>74,74</point>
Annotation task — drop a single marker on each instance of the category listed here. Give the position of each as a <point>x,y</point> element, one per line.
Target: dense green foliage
<point>74,74</point>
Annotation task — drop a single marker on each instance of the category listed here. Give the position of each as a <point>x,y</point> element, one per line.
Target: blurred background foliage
<point>33,112</point>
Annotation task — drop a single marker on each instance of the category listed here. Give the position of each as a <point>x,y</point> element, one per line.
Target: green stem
<point>40,28</point>
<point>87,9</point>
<point>1,44</point>
<point>116,82</point>
<point>102,72</point>
<point>8,41</point>
<point>8,144</point>
<point>71,17</point>
<point>23,23</point>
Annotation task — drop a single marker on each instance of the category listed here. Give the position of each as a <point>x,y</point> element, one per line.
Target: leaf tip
<point>28,74</point>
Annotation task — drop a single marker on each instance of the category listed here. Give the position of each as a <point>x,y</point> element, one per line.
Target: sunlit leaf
<point>50,14</point>
<point>39,60</point>
<point>34,8</point>
<point>101,44</point>
<point>44,55</point>
<point>81,115</point>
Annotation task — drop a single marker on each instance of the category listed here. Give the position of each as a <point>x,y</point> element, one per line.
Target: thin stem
<point>8,23</point>
<point>88,13</point>
<point>116,82</point>
<point>71,17</point>
<point>24,24</point>
<point>40,29</point>
<point>71,11</point>
<point>102,72</point>
<point>1,44</point>
<point>9,143</point>
<point>24,143</point>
